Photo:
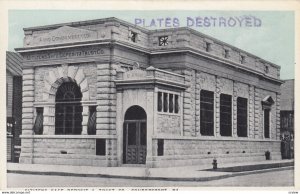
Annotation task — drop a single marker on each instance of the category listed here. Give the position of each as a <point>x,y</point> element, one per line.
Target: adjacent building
<point>108,93</point>
<point>287,119</point>
<point>13,105</point>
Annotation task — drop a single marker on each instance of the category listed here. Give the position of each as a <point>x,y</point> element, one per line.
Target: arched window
<point>68,109</point>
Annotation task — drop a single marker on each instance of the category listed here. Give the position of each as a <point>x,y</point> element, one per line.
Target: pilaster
<point>217,106</point>
<point>234,112</point>
<point>187,105</point>
<point>106,100</point>
<point>251,112</point>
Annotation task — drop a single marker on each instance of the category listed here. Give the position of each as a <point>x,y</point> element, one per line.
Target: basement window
<point>100,147</point>
<point>160,147</point>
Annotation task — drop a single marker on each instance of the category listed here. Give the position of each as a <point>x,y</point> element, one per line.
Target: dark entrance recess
<point>135,136</point>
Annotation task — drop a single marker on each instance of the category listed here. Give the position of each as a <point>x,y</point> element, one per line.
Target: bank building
<point>108,93</point>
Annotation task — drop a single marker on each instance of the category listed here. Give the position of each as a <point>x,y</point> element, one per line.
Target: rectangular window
<point>160,147</point>
<point>243,58</point>
<point>159,101</point>
<point>133,36</point>
<point>267,123</point>
<point>38,124</point>
<point>208,47</point>
<point>166,102</point>
<point>226,54</point>
<point>225,115</point>
<point>100,147</point>
<point>171,104</point>
<point>176,103</point>
<point>206,112</point>
<point>92,121</point>
<point>242,117</point>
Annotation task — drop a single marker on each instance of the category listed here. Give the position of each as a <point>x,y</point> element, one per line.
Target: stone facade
<point>119,67</point>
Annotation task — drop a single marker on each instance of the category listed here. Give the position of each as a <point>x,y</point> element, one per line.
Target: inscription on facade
<point>63,34</point>
<point>64,55</point>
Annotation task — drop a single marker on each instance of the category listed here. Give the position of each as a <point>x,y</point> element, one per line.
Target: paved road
<point>277,178</point>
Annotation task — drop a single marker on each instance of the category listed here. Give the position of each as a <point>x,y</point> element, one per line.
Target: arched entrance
<point>135,136</point>
<point>68,109</point>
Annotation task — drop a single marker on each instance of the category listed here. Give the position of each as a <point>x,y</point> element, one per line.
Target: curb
<point>202,179</point>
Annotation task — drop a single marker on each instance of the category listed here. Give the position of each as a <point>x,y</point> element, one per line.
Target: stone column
<point>251,112</point>
<point>277,116</point>
<point>106,100</point>
<point>26,155</point>
<point>49,119</point>
<point>234,112</point>
<point>187,109</point>
<point>257,115</point>
<point>217,107</point>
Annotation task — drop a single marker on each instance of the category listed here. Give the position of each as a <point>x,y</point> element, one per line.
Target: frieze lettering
<point>61,35</point>
<point>64,55</point>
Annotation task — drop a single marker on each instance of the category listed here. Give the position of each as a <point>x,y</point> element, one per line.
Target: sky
<point>266,34</point>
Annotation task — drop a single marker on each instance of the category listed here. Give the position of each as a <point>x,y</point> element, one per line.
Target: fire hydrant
<point>215,164</point>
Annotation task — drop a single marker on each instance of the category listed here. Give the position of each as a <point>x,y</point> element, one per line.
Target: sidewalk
<point>189,173</point>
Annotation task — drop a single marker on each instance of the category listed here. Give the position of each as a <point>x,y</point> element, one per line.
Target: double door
<point>135,142</point>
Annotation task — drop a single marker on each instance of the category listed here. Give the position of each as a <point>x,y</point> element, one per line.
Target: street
<point>282,178</point>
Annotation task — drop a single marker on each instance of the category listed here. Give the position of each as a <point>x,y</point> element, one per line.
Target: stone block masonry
<point>187,152</point>
<point>27,114</point>
<point>67,151</point>
<point>106,99</point>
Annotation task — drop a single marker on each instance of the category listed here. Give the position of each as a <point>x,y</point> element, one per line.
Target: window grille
<point>167,102</point>
<point>225,115</point>
<point>163,41</point>
<point>206,112</point>
<point>68,109</point>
